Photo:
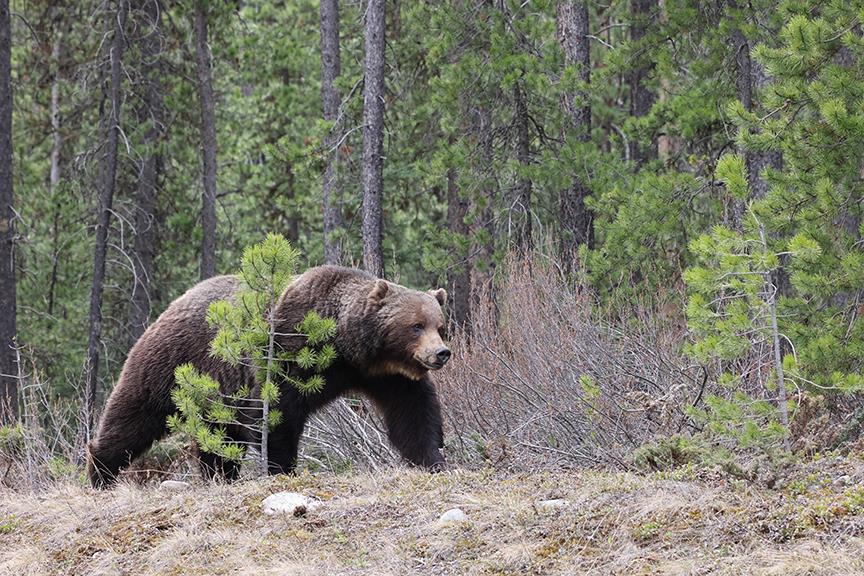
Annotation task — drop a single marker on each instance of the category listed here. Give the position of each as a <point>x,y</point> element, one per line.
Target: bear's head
<point>411,327</point>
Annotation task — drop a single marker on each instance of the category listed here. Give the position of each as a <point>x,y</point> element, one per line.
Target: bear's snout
<point>436,359</point>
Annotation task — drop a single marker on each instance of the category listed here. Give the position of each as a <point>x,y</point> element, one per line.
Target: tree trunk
<point>286,221</point>
<point>151,113</point>
<point>771,290</point>
<point>850,215</point>
<point>54,170</point>
<point>482,249</point>
<point>520,211</point>
<point>373,138</point>
<point>744,90</point>
<point>749,78</point>
<point>330,70</point>
<point>208,142</point>
<point>667,144</point>
<point>576,219</point>
<point>641,98</point>
<point>8,352</point>
<point>106,197</point>
<point>459,275</point>
<point>757,161</point>
<point>56,139</point>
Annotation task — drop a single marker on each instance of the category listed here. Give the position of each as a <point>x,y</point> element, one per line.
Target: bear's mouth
<point>434,365</point>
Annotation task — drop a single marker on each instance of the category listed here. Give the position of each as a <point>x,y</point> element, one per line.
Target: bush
<point>544,380</point>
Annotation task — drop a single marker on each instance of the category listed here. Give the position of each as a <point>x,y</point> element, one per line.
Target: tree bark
<point>56,138</point>
<point>850,216</point>
<point>576,219</point>
<point>667,144</point>
<point>152,114</point>
<point>54,170</point>
<point>642,99</point>
<point>287,222</point>
<point>208,142</point>
<point>8,353</point>
<point>482,249</point>
<point>330,71</point>
<point>373,138</point>
<point>749,78</point>
<point>520,212</point>
<point>758,161</point>
<point>459,276</point>
<point>771,289</point>
<point>106,197</point>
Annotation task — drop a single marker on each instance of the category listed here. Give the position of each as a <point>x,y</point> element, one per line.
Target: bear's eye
<point>418,327</point>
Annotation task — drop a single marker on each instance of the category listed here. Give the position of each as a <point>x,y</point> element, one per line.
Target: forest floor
<point>388,523</point>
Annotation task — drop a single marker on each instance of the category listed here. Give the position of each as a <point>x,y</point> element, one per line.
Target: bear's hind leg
<point>125,432</point>
<point>103,466</point>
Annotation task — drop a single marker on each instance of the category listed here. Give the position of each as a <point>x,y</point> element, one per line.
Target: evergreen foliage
<point>805,233</point>
<point>203,413</point>
<point>246,336</point>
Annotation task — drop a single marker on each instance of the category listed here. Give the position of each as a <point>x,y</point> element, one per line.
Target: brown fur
<point>387,339</point>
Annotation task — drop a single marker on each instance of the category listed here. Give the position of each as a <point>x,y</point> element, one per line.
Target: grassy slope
<point>385,523</point>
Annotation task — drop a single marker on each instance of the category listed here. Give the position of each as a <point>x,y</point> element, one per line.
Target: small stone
<point>844,480</point>
<point>552,504</point>
<point>453,516</point>
<point>288,503</point>
<point>174,486</point>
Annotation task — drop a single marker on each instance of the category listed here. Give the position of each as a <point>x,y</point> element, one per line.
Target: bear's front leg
<point>215,467</point>
<point>412,413</point>
<point>282,446</point>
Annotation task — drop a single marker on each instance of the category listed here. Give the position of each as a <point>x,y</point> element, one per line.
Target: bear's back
<point>180,335</point>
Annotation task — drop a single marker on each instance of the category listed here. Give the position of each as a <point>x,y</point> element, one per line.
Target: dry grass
<point>384,522</point>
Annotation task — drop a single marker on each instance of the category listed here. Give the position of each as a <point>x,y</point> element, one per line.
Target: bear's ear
<point>440,295</point>
<point>378,292</point>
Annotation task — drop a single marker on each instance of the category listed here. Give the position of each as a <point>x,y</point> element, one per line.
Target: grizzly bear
<point>388,338</point>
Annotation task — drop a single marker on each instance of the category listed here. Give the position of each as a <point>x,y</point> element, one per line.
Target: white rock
<point>174,486</point>
<point>288,503</point>
<point>453,516</point>
<point>553,504</point>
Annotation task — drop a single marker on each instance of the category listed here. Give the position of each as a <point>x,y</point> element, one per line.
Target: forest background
<point>647,213</point>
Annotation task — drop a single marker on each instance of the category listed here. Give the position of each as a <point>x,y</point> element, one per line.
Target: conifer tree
<point>373,137</point>
<point>247,337</point>
<point>8,304</point>
<point>112,129</point>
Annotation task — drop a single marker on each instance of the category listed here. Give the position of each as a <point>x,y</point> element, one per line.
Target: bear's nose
<point>443,355</point>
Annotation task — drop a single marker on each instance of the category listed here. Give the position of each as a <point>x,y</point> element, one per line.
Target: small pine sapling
<point>202,413</point>
<point>732,312</point>
<point>246,335</point>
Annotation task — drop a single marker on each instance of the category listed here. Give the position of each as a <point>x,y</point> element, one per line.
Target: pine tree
<point>373,137</point>
<point>112,128</point>
<point>246,335</point>
<point>732,312</point>
<point>8,301</point>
